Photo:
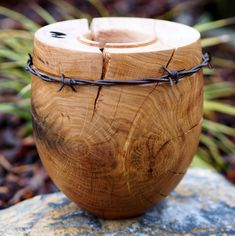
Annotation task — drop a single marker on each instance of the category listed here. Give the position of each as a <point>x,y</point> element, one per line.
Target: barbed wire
<point>171,76</point>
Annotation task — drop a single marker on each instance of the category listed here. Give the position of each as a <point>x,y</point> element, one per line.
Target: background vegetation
<point>21,173</point>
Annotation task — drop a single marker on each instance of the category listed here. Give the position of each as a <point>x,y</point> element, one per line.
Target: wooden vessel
<point>118,150</point>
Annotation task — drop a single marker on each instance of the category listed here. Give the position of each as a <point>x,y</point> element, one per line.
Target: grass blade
<point>215,127</point>
<point>67,9</point>
<point>213,41</point>
<point>199,162</point>
<point>219,90</point>
<point>219,107</point>
<point>14,109</point>
<point>45,15</point>
<point>19,34</point>
<point>176,10</point>
<point>214,151</point>
<point>26,22</point>
<point>99,7</point>
<point>225,63</point>
<point>214,24</point>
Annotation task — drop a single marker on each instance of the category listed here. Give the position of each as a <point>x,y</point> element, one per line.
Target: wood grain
<point>117,151</point>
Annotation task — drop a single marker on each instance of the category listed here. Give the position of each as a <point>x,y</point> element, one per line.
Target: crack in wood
<point>178,136</point>
<point>146,98</point>
<point>106,63</point>
<point>95,102</point>
<point>176,173</point>
<point>171,57</point>
<point>126,145</point>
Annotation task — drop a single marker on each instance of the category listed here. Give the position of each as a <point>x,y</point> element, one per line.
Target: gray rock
<point>203,204</point>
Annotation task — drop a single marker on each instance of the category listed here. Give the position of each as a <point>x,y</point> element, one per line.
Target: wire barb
<point>171,77</point>
<point>207,59</point>
<point>30,61</point>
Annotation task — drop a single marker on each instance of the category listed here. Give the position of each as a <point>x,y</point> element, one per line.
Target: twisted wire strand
<point>171,76</point>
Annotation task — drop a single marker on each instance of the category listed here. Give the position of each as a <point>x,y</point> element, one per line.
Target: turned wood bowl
<point>116,150</point>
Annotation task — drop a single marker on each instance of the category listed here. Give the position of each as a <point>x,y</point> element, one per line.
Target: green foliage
<point>26,23</point>
<point>16,44</point>
<point>14,47</point>
<point>215,138</point>
<point>44,14</point>
<point>214,24</point>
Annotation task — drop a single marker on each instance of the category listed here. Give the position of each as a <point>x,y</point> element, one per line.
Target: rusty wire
<point>171,76</point>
